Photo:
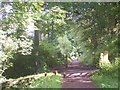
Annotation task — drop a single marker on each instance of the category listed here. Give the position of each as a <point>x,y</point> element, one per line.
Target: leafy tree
<point>7,49</point>
<point>15,16</point>
<point>49,21</point>
<point>65,47</point>
<point>97,24</point>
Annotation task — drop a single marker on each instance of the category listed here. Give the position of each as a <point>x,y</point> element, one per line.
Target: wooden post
<point>36,38</point>
<point>104,59</point>
<point>105,55</point>
<point>36,49</point>
<point>101,56</point>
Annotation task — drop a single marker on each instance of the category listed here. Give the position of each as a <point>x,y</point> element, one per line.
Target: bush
<point>49,54</point>
<point>115,67</point>
<point>105,81</point>
<point>107,77</point>
<point>86,58</point>
<point>7,49</point>
<point>18,52</point>
<point>22,65</point>
<point>111,69</point>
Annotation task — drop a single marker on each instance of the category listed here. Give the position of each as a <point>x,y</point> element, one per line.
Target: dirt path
<point>77,75</point>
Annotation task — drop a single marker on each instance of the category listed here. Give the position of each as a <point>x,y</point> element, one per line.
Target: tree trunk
<point>66,61</point>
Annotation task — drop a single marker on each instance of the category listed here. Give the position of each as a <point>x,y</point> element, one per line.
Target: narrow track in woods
<point>77,75</point>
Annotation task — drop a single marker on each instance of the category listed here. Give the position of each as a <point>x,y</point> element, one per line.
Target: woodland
<point>36,37</point>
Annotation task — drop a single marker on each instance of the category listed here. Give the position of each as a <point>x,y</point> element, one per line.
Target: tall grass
<point>53,81</point>
<point>105,81</point>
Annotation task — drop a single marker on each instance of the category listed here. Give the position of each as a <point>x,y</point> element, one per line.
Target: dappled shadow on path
<point>77,75</point>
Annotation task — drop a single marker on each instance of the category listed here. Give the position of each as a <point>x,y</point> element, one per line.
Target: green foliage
<point>97,33</point>
<point>47,82</point>
<point>48,48</point>
<point>34,81</point>
<point>87,31</point>
<point>51,22</point>
<point>86,58</point>
<point>111,69</point>
<point>12,33</point>
<point>25,45</point>
<point>105,81</point>
<point>7,49</point>
<point>104,64</point>
<point>22,65</point>
<point>11,48</point>
<point>49,54</point>
<point>64,45</point>
<point>20,15</point>
<point>26,82</point>
<point>107,77</point>
<point>19,50</point>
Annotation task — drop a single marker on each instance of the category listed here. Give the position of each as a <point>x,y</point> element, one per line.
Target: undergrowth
<point>47,82</point>
<point>107,77</point>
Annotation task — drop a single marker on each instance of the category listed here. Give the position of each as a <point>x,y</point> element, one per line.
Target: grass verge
<point>53,81</point>
<point>105,81</point>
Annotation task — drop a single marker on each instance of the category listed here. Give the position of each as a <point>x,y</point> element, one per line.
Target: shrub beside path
<point>77,75</point>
